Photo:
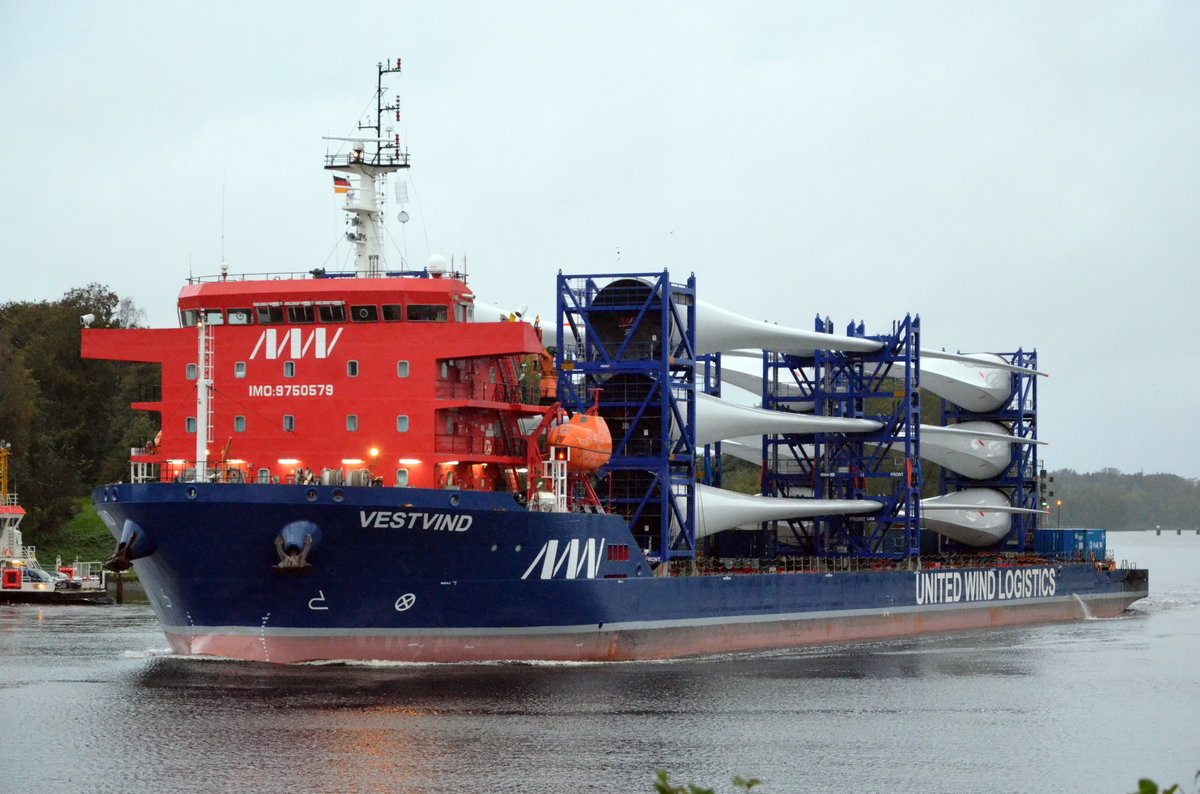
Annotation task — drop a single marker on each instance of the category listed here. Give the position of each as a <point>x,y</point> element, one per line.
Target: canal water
<point>91,700</point>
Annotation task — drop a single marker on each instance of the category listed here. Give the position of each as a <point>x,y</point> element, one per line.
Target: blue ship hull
<point>436,575</point>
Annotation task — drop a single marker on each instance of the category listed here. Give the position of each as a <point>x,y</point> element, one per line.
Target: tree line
<point>68,419</point>
<point>1110,499</point>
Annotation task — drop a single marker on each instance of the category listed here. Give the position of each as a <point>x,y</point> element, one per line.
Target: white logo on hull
<point>949,587</point>
<point>293,344</point>
<point>576,563</point>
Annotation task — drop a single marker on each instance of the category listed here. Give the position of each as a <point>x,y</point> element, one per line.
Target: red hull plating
<point>638,644</point>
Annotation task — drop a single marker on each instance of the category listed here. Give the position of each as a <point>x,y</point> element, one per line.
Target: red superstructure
<point>380,380</point>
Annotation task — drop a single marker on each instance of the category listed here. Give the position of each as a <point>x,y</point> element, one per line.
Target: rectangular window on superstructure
<point>352,368</point>
<point>460,312</point>
<point>331,314</point>
<point>401,369</point>
<point>289,369</point>
<point>301,314</point>
<point>239,317</point>
<point>239,369</point>
<point>401,424</point>
<point>393,312</point>
<point>189,424</point>
<point>289,422</point>
<point>188,317</point>
<point>214,317</point>
<point>351,423</point>
<point>190,372</point>
<point>364,314</point>
<point>401,478</point>
<point>264,476</point>
<point>269,315</point>
<point>426,313</point>
<point>239,424</point>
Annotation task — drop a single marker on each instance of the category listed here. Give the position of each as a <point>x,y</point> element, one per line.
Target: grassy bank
<point>83,537</point>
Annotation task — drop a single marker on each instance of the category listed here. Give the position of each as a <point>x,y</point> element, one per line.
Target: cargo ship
<point>374,465</point>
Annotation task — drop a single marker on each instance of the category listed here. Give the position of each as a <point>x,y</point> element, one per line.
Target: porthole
<point>311,494</point>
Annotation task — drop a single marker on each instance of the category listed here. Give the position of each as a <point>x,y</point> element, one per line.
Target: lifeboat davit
<point>587,436</point>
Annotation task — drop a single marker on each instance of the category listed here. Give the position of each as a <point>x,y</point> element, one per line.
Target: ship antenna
<point>224,265</point>
<point>364,203</point>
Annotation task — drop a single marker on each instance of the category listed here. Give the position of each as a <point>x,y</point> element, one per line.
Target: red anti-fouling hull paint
<point>642,643</point>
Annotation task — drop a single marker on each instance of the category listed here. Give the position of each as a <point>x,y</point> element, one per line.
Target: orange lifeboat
<point>588,439</point>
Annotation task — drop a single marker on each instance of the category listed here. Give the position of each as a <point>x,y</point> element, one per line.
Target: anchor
<point>293,543</point>
<point>121,560</point>
<point>133,545</point>
<point>291,559</point>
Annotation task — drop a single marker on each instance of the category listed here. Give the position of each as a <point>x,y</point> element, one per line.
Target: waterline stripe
<point>636,625</point>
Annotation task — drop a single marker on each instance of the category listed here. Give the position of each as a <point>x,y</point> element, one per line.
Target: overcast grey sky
<point>1019,174</point>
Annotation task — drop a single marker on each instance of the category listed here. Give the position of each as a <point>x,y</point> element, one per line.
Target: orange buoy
<point>588,439</point>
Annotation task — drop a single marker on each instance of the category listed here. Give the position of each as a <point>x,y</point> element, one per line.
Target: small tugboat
<point>22,578</point>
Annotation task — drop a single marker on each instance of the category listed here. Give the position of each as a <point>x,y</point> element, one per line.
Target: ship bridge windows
<point>331,313</point>
<point>301,314</point>
<point>427,313</point>
<point>364,314</point>
<point>393,312</point>
<point>188,317</point>
<point>239,317</point>
<point>269,315</point>
<point>214,317</point>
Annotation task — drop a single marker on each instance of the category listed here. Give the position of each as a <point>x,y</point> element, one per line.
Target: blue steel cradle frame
<point>1019,478</point>
<point>709,381</point>
<point>854,466</point>
<point>647,376</point>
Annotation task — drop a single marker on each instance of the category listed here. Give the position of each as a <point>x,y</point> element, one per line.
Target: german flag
<point>341,184</point>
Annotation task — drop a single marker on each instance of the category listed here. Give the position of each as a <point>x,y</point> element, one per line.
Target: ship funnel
<point>974,516</point>
<point>718,509</point>
<point>717,419</point>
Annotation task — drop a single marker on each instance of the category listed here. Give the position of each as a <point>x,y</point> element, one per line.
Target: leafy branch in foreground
<point>1148,786</point>
<point>663,785</point>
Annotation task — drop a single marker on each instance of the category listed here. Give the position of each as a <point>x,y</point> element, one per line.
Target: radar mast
<point>370,160</point>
